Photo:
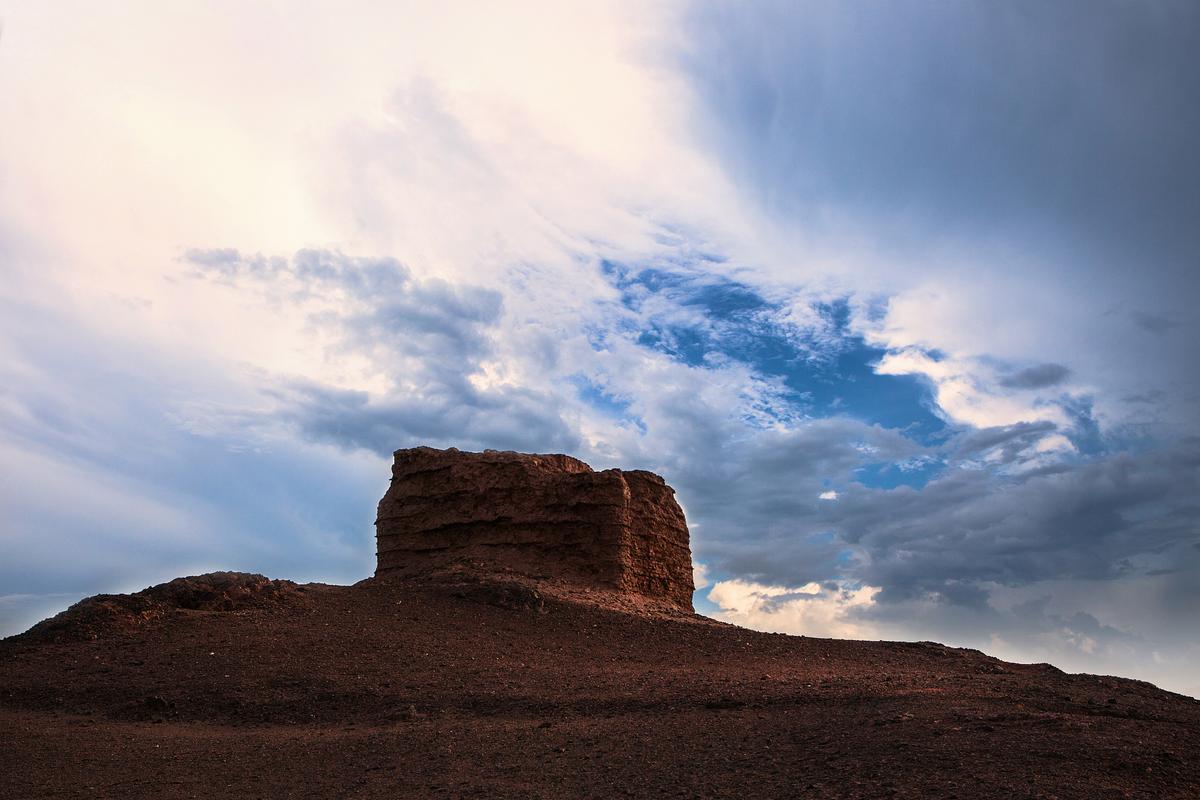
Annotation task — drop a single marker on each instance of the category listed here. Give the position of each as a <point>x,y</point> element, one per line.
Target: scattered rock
<point>515,596</point>
<point>157,703</point>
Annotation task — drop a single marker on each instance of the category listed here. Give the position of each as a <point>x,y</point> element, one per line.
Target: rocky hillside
<point>456,687</point>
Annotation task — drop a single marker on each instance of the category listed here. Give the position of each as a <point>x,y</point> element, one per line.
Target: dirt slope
<point>465,687</point>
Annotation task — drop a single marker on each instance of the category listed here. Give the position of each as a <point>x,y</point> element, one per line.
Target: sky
<point>901,298</point>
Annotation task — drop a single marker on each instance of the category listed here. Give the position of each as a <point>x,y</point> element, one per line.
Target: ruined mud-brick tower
<point>545,516</point>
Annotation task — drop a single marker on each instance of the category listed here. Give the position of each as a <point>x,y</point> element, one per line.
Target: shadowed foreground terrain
<point>494,686</point>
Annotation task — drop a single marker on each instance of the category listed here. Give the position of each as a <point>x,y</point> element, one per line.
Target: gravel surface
<point>476,689</point>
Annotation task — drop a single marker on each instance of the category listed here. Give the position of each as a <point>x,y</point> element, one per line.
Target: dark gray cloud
<point>1036,377</point>
<point>458,416</point>
<point>1099,519</point>
<point>1153,323</point>
<point>1074,639</point>
<point>754,501</point>
<point>1013,442</point>
<point>1071,123</point>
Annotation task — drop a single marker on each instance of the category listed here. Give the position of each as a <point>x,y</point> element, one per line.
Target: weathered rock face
<point>546,516</point>
<point>106,614</point>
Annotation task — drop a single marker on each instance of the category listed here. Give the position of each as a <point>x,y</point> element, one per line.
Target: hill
<point>476,678</point>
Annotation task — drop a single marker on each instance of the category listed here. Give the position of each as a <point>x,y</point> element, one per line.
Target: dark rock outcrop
<point>544,516</point>
<point>106,614</point>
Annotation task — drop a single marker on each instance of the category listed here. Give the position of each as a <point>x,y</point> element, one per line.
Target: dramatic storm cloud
<point>902,300</point>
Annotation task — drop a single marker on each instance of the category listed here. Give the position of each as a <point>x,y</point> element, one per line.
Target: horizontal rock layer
<point>546,516</point>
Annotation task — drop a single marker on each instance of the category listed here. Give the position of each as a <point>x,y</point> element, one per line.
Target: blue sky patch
<point>915,473</point>
<point>701,319</point>
<point>598,398</point>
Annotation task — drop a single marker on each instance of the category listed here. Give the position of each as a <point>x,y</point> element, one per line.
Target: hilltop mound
<point>117,613</point>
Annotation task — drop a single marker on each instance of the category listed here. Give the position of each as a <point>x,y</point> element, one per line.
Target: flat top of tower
<point>550,461</point>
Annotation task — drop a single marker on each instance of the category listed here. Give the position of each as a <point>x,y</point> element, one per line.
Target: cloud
<point>1111,627</point>
<point>1003,443</point>
<point>424,347</point>
<point>1153,323</point>
<point>754,499</point>
<point>854,116</point>
<point>1094,520</point>
<point>754,494</point>
<point>1098,519</point>
<point>812,609</point>
<point>102,470</point>
<point>507,418</point>
<point>1029,626</point>
<point>999,206</point>
<point>1036,377</point>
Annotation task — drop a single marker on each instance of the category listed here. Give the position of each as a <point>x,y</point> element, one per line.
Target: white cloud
<point>435,135</point>
<point>967,391</point>
<point>828,495</point>
<point>809,610</point>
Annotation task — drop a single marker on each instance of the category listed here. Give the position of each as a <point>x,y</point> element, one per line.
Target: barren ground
<point>419,689</point>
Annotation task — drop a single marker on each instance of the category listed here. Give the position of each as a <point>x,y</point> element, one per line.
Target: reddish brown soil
<point>422,689</point>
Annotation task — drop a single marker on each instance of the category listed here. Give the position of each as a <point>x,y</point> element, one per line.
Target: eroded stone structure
<point>545,516</point>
